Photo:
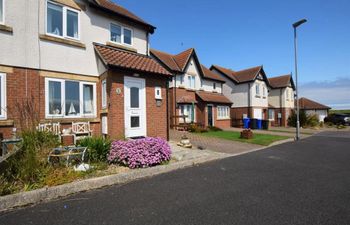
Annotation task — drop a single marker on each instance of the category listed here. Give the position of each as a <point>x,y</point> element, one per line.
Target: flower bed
<point>140,153</point>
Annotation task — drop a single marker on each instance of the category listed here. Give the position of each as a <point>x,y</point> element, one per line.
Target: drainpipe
<point>167,110</point>
<point>249,95</point>
<point>174,86</point>
<point>280,107</point>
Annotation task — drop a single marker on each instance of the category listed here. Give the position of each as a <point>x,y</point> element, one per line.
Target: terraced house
<point>281,99</point>
<point>247,89</point>
<point>194,92</point>
<point>80,60</point>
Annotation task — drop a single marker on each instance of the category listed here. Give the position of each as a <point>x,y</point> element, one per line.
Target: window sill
<point>223,119</point>
<point>6,28</point>
<point>70,120</point>
<point>181,87</point>
<point>121,46</point>
<point>215,91</point>
<point>62,41</point>
<point>6,122</point>
<point>257,96</point>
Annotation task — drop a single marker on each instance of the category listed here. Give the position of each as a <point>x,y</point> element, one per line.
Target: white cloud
<point>335,94</point>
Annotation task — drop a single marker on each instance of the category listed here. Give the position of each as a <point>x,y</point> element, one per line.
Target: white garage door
<point>257,114</point>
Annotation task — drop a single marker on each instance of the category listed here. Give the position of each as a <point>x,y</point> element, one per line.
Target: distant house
<point>314,108</point>
<point>281,99</point>
<point>247,89</point>
<point>195,91</point>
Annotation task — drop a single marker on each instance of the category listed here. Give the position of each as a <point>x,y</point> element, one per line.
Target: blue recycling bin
<point>259,124</point>
<point>246,122</point>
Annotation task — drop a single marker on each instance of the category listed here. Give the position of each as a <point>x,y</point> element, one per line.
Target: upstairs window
<point>2,96</point>
<point>104,93</point>
<point>192,82</point>
<point>214,86</point>
<point>2,11</point>
<point>62,21</point>
<point>264,91</point>
<point>121,35</point>
<point>257,89</point>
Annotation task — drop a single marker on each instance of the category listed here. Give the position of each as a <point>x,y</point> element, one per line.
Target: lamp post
<point>295,25</point>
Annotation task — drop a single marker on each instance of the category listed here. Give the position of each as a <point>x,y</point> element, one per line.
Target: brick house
<point>194,91</point>
<point>247,89</point>
<point>80,60</point>
<point>281,99</point>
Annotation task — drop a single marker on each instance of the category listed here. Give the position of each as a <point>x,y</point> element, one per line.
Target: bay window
<point>2,96</point>
<point>120,34</point>
<point>2,11</point>
<point>66,98</point>
<point>62,21</point>
<point>223,112</point>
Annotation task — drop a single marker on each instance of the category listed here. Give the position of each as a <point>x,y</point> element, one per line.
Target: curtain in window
<point>72,24</point>
<point>72,98</point>
<point>55,98</point>
<point>54,19</point>
<point>88,98</point>
<point>1,10</point>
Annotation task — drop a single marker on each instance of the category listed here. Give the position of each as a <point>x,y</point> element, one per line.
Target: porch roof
<point>186,99</point>
<point>124,59</point>
<point>213,97</point>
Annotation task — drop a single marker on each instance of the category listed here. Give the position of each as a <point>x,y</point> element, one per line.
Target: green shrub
<point>98,148</point>
<point>292,119</point>
<point>312,121</point>
<point>28,167</point>
<point>194,128</point>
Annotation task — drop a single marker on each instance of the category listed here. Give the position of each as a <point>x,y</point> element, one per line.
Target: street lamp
<point>295,25</point>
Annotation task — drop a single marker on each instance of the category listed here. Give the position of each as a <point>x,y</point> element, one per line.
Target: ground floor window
<point>271,114</point>
<point>189,111</point>
<point>3,96</point>
<point>223,112</point>
<point>68,98</point>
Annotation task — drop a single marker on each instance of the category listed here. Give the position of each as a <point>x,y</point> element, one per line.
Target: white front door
<point>135,107</point>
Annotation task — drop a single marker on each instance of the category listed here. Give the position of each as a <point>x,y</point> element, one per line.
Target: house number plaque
<point>118,91</point>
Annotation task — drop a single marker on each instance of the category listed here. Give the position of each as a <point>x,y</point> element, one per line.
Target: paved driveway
<point>295,183</point>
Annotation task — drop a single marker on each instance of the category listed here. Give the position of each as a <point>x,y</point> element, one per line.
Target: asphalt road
<point>295,183</point>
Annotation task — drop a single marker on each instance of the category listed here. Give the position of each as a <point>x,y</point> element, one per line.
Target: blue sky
<point>245,33</point>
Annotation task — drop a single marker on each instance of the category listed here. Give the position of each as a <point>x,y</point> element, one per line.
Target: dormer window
<point>62,21</point>
<point>2,11</point>
<point>121,35</point>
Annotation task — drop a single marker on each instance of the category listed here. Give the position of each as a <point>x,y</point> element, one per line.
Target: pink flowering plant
<point>140,153</point>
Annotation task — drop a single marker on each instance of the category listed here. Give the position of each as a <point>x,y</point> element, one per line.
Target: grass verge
<point>259,139</point>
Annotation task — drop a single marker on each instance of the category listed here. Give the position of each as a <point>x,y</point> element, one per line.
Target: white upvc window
<point>69,98</point>
<point>2,11</point>
<point>62,21</point>
<point>189,111</point>
<point>223,112</point>
<point>271,114</point>
<point>104,93</point>
<point>257,89</point>
<point>191,82</point>
<point>3,96</point>
<point>214,86</point>
<point>121,34</point>
<point>264,91</point>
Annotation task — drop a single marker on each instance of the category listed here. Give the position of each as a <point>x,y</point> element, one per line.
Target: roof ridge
<point>170,55</point>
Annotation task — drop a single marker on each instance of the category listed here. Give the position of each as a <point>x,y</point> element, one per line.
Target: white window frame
<point>191,80</point>
<point>264,91</point>
<point>223,112</point>
<point>158,96</point>
<point>273,114</point>
<point>64,22</point>
<point>186,109</point>
<point>214,86</point>
<point>121,34</point>
<point>63,97</point>
<point>104,93</point>
<point>3,96</point>
<point>257,89</point>
<point>2,20</point>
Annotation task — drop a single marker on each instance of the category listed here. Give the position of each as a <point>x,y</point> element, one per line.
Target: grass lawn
<point>291,132</point>
<point>340,111</point>
<point>259,139</point>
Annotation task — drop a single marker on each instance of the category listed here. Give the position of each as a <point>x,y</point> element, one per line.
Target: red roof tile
<point>211,75</point>
<point>239,76</point>
<point>185,99</point>
<point>121,11</point>
<point>213,97</point>
<point>129,60</point>
<point>281,81</point>
<point>306,103</point>
<point>167,59</point>
<point>182,58</point>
